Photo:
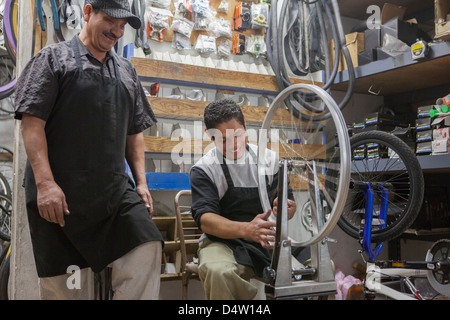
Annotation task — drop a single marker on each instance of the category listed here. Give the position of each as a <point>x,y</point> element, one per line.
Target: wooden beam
<point>193,110</point>
<point>183,146</point>
<point>178,73</point>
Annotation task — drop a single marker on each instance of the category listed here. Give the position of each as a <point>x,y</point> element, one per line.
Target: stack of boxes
<point>424,131</point>
<point>380,122</point>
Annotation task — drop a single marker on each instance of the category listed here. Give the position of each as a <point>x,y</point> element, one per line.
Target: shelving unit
<point>402,82</point>
<point>401,73</point>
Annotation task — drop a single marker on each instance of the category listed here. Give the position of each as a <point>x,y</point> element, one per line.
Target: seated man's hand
<point>261,231</point>
<point>292,207</point>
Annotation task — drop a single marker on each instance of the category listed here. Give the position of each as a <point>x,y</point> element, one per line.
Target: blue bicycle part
<point>369,194</point>
<point>40,13</point>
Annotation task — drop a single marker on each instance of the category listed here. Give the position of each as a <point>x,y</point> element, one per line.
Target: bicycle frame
<point>386,268</point>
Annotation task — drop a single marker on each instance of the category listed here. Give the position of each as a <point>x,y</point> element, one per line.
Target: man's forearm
<point>35,142</point>
<point>135,156</point>
<point>222,227</point>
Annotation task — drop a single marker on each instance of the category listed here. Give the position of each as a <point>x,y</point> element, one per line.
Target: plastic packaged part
<point>181,42</point>
<point>393,46</point>
<point>200,21</point>
<point>238,43</point>
<point>205,44</point>
<point>158,21</point>
<point>159,18</point>
<point>255,45</point>
<point>224,47</point>
<point>200,7</point>
<point>223,6</point>
<point>74,17</point>
<point>179,8</point>
<point>183,26</point>
<point>203,18</point>
<point>195,95</point>
<point>219,27</point>
<point>165,4</point>
<point>260,15</point>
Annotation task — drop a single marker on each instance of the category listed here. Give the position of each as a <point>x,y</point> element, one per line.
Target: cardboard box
<point>423,124</point>
<point>355,44</point>
<point>424,135</point>
<point>424,111</point>
<point>391,11</point>
<point>442,133</point>
<point>440,146</point>
<point>424,148</point>
<point>442,25</point>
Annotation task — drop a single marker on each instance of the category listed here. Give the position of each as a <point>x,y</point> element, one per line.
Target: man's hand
<point>52,203</point>
<point>260,230</point>
<point>292,207</point>
<point>144,193</point>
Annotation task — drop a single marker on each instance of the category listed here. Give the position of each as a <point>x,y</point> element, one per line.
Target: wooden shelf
<point>202,77</point>
<point>167,145</point>
<point>183,109</point>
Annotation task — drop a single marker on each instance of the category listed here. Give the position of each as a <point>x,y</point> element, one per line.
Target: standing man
<point>83,111</point>
<point>227,207</point>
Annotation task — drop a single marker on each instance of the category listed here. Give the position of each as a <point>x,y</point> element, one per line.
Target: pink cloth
<point>343,284</point>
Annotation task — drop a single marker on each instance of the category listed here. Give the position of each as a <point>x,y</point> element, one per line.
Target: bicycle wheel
<point>388,161</point>
<point>4,278</point>
<point>5,217</point>
<point>6,168</point>
<point>307,145</point>
<point>8,50</point>
<point>7,75</point>
<point>5,188</point>
<point>439,279</point>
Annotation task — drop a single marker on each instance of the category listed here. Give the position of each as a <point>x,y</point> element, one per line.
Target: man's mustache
<point>110,35</point>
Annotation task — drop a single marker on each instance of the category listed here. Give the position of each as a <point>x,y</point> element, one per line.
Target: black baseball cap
<point>117,9</point>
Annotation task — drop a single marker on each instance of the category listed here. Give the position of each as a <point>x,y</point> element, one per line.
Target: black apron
<point>243,204</point>
<point>86,136</point>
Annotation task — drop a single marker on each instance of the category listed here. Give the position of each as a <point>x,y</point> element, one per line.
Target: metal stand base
<point>302,289</point>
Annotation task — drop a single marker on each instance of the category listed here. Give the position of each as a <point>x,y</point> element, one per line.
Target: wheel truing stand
<point>283,281</point>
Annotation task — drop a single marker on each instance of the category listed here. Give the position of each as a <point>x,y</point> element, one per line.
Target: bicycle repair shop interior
<point>385,65</point>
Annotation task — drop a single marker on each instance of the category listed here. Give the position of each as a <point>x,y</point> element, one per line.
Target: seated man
<point>226,206</point>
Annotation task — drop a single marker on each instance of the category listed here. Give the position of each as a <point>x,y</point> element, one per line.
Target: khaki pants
<point>222,277</point>
<point>135,276</point>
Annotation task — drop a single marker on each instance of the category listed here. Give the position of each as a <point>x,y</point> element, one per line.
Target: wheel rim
<point>308,145</point>
<point>439,280</point>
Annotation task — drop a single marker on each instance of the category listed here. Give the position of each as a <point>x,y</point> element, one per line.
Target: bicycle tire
<point>439,279</point>
<point>8,24</point>
<point>5,188</point>
<point>5,217</point>
<point>4,278</point>
<point>10,46</point>
<point>401,173</point>
<point>312,151</point>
